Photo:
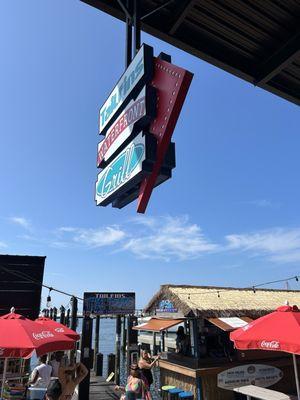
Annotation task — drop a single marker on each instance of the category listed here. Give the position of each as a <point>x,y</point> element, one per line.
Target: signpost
<point>137,121</point>
<point>108,303</point>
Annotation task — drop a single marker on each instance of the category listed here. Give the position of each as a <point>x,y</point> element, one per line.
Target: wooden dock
<point>101,390</point>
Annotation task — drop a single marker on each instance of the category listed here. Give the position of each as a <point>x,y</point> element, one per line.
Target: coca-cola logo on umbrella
<point>273,344</point>
<point>42,335</point>
<point>59,330</point>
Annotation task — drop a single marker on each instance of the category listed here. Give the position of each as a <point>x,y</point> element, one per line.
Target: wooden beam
<point>279,60</point>
<point>184,7</point>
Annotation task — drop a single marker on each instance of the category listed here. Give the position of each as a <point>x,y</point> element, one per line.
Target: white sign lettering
<point>122,128</point>
<point>273,344</point>
<point>121,170</point>
<point>42,335</point>
<point>129,80</point>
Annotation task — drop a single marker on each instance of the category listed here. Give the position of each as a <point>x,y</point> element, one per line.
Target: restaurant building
<point>210,366</point>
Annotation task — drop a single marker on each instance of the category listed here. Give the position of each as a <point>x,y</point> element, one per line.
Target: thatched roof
<point>214,302</point>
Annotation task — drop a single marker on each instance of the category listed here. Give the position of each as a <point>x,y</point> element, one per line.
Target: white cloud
<point>106,236</point>
<point>3,245</point>
<point>263,203</point>
<point>21,221</point>
<point>169,238</point>
<point>278,244</point>
<point>67,229</point>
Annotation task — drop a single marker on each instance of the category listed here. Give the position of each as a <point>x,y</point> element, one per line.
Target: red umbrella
<point>20,337</point>
<point>57,327</point>
<point>277,331</point>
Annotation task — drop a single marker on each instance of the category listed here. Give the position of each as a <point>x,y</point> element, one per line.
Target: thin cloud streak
<point>21,221</point>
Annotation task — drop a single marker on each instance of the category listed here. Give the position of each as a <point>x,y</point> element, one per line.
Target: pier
<point>100,389</point>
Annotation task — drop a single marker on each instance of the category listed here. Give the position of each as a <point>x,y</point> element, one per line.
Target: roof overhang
<point>158,324</point>
<point>258,42</point>
<point>229,324</point>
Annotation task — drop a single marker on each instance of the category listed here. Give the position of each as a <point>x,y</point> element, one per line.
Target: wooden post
<point>54,313</point>
<point>74,303</point>
<point>118,343</point>
<point>96,341</point>
<point>154,344</point>
<point>85,357</point>
<point>51,313</point>
<point>163,333</point>
<point>195,338</point>
<point>62,314</point>
<point>132,346</point>
<point>67,321</point>
<point>124,335</point>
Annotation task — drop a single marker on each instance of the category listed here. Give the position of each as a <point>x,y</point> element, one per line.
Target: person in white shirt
<point>55,363</point>
<point>41,375</point>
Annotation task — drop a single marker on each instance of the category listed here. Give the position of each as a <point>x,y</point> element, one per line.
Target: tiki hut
<point>211,366</point>
<point>215,302</point>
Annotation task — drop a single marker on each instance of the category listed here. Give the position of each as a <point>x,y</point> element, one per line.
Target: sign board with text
<point>109,303</point>
<point>251,374</point>
<point>136,153</point>
<point>139,72</point>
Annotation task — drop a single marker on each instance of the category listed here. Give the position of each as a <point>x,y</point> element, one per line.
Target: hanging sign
<point>137,115</point>
<point>172,84</point>
<point>127,169</point>
<point>137,121</point>
<point>165,173</point>
<point>252,374</point>
<point>139,72</point>
<point>105,303</point>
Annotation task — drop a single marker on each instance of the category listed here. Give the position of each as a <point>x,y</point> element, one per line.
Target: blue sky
<point>229,216</point>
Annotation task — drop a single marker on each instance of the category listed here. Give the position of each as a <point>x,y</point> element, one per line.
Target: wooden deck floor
<point>101,390</point>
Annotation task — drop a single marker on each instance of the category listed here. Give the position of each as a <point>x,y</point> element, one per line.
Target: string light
<point>253,288</point>
<point>48,304</point>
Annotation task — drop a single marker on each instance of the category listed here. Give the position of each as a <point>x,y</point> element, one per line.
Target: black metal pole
<point>74,303</point>
<point>128,40</point>
<point>54,313</point>
<point>85,357</point>
<point>137,25</point>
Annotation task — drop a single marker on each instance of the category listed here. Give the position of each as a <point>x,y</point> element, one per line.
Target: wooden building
<point>210,366</point>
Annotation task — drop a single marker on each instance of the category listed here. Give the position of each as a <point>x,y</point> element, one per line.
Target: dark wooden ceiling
<point>256,40</point>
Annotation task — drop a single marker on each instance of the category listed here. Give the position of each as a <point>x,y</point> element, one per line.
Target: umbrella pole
<point>4,376</point>
<point>296,375</point>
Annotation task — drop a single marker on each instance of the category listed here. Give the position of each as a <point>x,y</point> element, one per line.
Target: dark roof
<point>21,280</point>
<point>258,41</point>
